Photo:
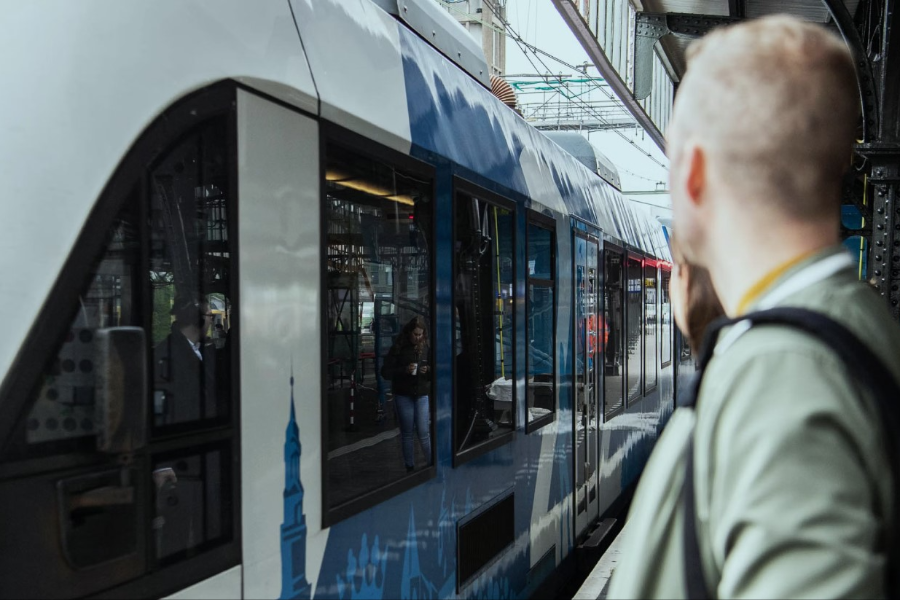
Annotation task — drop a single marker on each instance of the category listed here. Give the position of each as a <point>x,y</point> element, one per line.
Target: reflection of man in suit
<point>184,367</point>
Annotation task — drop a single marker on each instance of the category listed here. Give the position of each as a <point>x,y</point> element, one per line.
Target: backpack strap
<point>862,364</point>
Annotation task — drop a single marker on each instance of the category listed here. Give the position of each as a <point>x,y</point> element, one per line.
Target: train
<point>307,177</point>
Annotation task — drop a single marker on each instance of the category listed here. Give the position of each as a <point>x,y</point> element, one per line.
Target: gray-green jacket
<point>791,479</point>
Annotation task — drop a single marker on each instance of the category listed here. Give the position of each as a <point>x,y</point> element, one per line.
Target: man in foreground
<point>792,485</point>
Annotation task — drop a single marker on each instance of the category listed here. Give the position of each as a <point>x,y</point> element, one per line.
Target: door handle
<point>103,496</point>
<point>98,516</point>
<point>164,479</point>
<point>166,483</point>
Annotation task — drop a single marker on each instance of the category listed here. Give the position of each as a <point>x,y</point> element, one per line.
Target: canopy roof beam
<point>650,27</point>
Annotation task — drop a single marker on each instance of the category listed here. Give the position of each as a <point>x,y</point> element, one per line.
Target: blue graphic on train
<point>293,530</point>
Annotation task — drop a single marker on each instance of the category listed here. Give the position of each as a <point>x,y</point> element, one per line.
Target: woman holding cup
<point>407,366</point>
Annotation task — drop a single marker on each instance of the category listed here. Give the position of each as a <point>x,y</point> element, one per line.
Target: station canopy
<point>639,45</point>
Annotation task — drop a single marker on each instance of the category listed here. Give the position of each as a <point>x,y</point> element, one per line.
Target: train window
<point>62,416</point>
<point>614,324</point>
<point>189,258</point>
<point>188,302</point>
<point>377,398</point>
<point>133,479</point>
<point>634,315</point>
<point>540,329</point>
<point>650,328</point>
<point>665,322</point>
<point>189,501</point>
<point>484,299</point>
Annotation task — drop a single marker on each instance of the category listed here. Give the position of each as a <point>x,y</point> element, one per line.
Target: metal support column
<point>882,156</point>
<point>884,248</point>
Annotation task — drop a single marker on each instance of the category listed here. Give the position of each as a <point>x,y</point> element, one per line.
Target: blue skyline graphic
<point>294,584</point>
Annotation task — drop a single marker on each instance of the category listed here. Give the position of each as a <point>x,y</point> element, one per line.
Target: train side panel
<point>386,86</point>
<point>87,76</point>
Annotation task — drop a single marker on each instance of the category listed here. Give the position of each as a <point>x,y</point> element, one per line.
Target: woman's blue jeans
<point>414,413</point>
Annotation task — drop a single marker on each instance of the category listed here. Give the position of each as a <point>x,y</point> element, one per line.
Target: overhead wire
<point>633,174</point>
<point>512,34</point>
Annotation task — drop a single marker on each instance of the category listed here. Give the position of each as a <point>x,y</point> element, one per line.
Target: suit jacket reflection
<point>186,387</point>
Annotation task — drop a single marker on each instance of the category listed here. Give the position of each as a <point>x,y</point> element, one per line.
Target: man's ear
<point>696,175</point>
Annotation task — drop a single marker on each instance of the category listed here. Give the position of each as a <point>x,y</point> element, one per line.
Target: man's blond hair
<point>775,103</point>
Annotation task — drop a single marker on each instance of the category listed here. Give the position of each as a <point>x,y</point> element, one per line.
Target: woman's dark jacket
<point>395,368</point>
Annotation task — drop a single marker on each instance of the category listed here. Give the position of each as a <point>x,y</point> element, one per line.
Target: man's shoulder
<point>779,369</point>
<point>847,302</point>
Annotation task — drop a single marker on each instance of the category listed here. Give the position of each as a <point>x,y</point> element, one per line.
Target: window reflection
<point>665,320</point>
<point>589,341</point>
<point>377,274</point>
<point>63,410</point>
<point>168,241</point>
<point>541,382</point>
<point>613,326</point>
<point>635,326</point>
<point>189,281</point>
<point>484,301</point>
<point>650,328</point>
<point>190,514</point>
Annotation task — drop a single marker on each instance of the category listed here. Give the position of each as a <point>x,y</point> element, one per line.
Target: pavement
<point>596,586</point>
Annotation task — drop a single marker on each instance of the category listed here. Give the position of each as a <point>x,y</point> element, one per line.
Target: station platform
<point>596,586</point>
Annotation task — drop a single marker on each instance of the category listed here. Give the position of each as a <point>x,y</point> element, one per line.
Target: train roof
<point>587,154</point>
<point>90,76</point>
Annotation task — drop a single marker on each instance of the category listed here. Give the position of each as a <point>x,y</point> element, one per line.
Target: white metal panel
<point>354,52</point>
<point>541,188</point>
<point>702,7</point>
<point>226,584</point>
<point>278,170</point>
<point>81,80</point>
<point>449,36</point>
<point>811,10</point>
<point>544,532</point>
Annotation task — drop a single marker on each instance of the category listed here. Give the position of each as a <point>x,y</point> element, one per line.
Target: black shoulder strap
<point>862,364</point>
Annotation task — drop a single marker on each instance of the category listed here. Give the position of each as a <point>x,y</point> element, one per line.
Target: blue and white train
<point>217,217</point>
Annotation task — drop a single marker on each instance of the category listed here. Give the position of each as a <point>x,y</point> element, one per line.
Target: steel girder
<point>650,27</point>
<point>880,153</point>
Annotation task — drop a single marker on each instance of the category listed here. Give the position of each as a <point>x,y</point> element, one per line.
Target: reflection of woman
<point>406,365</point>
<point>694,301</point>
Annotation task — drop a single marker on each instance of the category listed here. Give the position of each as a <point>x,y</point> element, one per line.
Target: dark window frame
<point>650,262</point>
<point>665,277</point>
<point>128,183</point>
<point>470,188</point>
<point>549,224</point>
<point>590,238</point>
<point>333,134</point>
<point>159,434</point>
<point>633,254</point>
<point>609,246</point>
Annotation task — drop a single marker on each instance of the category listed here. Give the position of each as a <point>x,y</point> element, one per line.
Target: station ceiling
<point>673,45</point>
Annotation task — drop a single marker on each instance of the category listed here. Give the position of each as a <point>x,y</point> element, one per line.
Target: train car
<point>313,175</point>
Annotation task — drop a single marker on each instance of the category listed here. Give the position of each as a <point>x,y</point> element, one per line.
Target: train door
<point>588,339</point>
<point>118,437</point>
<point>613,331</point>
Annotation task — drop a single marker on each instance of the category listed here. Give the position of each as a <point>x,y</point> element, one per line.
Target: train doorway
<point>588,341</point>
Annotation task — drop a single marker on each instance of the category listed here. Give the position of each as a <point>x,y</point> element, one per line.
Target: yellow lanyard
<point>761,286</point>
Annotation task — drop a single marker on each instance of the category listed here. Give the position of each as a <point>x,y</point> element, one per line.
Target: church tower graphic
<point>293,529</point>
